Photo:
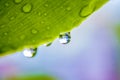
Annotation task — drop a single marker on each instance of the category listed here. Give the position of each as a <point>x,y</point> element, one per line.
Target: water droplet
<point>17,1</point>
<point>48,44</point>
<point>34,31</point>
<point>68,8</point>
<point>65,38</point>
<point>27,8</point>
<point>6,4</point>
<point>87,10</point>
<point>5,33</point>
<point>29,52</point>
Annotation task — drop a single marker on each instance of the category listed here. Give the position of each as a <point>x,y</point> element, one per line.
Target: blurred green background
<point>92,54</point>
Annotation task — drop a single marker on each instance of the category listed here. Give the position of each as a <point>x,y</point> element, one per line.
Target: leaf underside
<point>30,23</point>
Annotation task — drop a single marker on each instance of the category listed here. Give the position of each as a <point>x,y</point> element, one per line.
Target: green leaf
<point>30,23</point>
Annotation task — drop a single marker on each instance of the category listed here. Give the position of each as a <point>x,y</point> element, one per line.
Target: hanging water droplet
<point>29,52</point>
<point>64,38</point>
<point>87,10</point>
<point>48,44</point>
<point>27,8</point>
<point>17,1</point>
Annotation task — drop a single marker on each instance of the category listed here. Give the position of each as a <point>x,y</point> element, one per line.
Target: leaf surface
<point>30,23</point>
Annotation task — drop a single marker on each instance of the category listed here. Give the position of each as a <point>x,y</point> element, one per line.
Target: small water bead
<point>29,52</point>
<point>64,38</point>
<point>17,1</point>
<point>27,8</point>
<point>87,10</point>
<point>34,31</point>
<point>48,44</point>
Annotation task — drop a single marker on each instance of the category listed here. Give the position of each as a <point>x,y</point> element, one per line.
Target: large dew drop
<point>29,52</point>
<point>64,38</point>
<point>27,8</point>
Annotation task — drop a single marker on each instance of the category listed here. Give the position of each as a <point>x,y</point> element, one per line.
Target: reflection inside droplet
<point>29,52</point>
<point>65,38</point>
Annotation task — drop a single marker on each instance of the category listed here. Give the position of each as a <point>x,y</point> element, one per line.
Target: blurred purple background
<point>92,53</point>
